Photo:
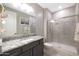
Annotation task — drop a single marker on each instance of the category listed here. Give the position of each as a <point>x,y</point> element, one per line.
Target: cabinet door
<point>38,50</point>
<point>27,53</point>
<point>29,46</point>
<point>14,52</point>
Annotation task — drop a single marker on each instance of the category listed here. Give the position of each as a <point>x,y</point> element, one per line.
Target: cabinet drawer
<point>30,45</point>
<point>14,52</point>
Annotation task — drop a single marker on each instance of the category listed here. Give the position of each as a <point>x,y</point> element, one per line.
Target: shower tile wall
<point>63,29</point>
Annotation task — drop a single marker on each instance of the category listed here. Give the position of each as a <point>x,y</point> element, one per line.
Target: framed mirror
<point>17,24</point>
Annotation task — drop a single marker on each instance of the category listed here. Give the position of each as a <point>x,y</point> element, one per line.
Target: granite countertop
<point>12,44</point>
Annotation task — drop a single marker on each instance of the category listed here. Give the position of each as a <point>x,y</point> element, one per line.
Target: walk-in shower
<point>61,33</point>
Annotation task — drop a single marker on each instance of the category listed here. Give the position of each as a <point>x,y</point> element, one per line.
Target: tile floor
<point>58,49</point>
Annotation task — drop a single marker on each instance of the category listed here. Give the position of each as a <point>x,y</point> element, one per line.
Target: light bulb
<point>3,21</point>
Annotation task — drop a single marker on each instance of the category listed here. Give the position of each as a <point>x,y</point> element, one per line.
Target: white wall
<point>10,25</point>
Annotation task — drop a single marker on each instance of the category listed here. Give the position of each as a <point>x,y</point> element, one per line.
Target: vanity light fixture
<point>2,11</point>
<point>2,30</point>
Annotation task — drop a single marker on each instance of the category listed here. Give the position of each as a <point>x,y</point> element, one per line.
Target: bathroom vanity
<point>19,37</point>
<point>30,46</point>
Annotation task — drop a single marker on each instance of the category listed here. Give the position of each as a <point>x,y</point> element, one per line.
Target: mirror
<point>17,24</point>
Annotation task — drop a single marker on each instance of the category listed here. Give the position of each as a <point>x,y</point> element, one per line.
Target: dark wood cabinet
<point>27,53</point>
<point>37,50</point>
<point>13,52</point>
<point>34,48</point>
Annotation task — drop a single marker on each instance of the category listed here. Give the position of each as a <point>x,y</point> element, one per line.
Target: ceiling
<point>55,6</point>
